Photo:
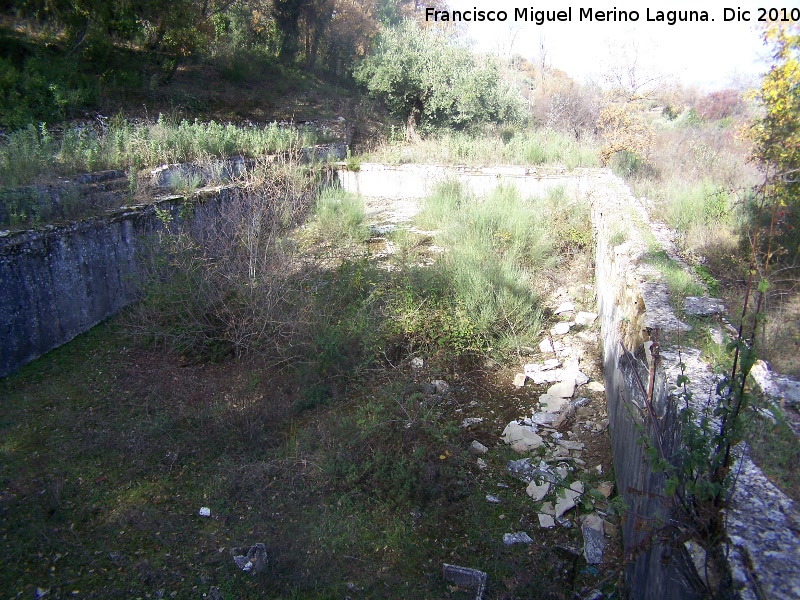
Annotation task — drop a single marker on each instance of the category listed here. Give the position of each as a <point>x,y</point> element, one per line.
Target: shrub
<point>224,281</point>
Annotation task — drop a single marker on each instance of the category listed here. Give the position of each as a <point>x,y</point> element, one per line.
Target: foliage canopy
<point>424,78</point>
<point>776,134</point>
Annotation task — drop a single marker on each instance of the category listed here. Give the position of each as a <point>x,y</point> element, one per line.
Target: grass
<point>109,451</point>
<point>34,153</point>
<point>340,217</point>
<point>497,246</point>
<point>529,147</point>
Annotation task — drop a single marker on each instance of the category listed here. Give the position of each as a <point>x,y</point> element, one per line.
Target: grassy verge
<point>34,153</point>
<point>529,147</point>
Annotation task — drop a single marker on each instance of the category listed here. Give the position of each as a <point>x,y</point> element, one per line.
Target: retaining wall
<point>58,282</point>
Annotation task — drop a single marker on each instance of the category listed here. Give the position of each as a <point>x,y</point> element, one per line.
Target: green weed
<point>528,147</point>
<point>340,217</point>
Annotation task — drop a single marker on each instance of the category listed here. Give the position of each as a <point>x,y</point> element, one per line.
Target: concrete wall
<point>629,306</point>
<point>58,282</point>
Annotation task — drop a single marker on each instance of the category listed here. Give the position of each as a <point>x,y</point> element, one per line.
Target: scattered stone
<point>469,579</point>
<point>205,511</point>
<point>477,449</point>
<point>546,346</point>
<point>544,418</point>
<point>481,464</point>
<point>601,425</point>
<point>702,307</point>
<point>585,318</point>
<point>509,539</point>
<point>442,387</point>
<point>588,337</point>
<point>562,418</point>
<point>537,490</point>
<point>469,421</point>
<point>581,378</point>
<point>765,414</point>
<point>519,380</point>
<point>780,389</point>
<point>560,452</point>
<point>552,404</point>
<point>417,363</point>
<point>605,488</point>
<point>716,335</point>
<point>550,376</point>
<point>522,438</point>
<point>571,445</point>
<point>564,389</point>
<point>698,556</point>
<point>593,539</point>
<point>578,402</point>
<point>254,561</point>
<point>560,329</point>
<point>593,595</point>
<point>561,470</point>
<point>564,522</point>
<point>492,499</point>
<point>567,501</point>
<point>547,509</point>
<point>596,386</point>
<point>546,521</point>
<point>564,307</point>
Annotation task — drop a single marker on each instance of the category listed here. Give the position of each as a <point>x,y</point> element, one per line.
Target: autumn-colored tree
<point>776,141</point>
<point>624,129</point>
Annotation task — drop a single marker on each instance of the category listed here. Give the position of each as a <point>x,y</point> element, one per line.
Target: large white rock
<point>585,318</point>
<point>519,380</point>
<point>565,307</point>
<point>553,376</point>
<point>546,521</point>
<point>521,437</point>
<point>596,386</point>
<point>537,491</point>
<point>560,329</point>
<point>567,501</point>
<point>552,404</point>
<point>563,389</point>
<point>546,346</point>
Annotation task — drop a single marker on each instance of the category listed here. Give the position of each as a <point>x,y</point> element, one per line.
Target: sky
<point>710,55</point>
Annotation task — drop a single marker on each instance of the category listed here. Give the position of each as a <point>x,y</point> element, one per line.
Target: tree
<point>425,78</point>
<point>776,140</point>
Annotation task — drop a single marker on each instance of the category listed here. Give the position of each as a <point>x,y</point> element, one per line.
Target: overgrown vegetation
<point>321,441</point>
<point>34,153</point>
<point>508,146</point>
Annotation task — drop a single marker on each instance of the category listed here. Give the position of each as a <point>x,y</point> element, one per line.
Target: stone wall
<point>760,558</point>
<point>58,282</point>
